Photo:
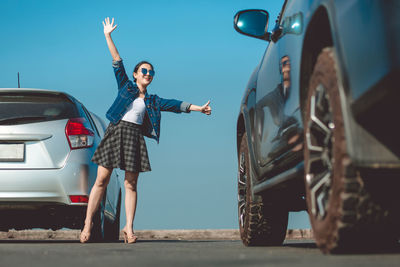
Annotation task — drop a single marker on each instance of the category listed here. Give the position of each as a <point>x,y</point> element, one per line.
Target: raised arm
<point>119,69</point>
<point>108,29</point>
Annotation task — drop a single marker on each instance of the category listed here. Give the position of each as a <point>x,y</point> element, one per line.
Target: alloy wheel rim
<point>319,141</point>
<point>242,178</point>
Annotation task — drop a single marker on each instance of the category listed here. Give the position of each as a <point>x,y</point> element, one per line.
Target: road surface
<point>69,253</point>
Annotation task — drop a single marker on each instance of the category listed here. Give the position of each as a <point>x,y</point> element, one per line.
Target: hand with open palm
<point>109,27</point>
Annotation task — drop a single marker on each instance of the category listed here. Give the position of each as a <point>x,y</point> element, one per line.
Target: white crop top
<point>135,112</point>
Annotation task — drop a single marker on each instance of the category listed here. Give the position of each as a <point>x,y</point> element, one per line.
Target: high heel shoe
<point>85,235</point>
<point>129,239</point>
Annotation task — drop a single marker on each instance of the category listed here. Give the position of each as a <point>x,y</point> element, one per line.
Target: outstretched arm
<point>108,29</point>
<point>206,109</point>
<point>178,106</point>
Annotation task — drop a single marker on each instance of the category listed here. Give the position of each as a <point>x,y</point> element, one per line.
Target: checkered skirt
<point>123,147</point>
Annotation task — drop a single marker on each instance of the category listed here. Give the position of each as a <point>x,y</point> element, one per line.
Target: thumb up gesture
<point>206,109</point>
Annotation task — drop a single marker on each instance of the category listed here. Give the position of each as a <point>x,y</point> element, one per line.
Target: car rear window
<point>28,107</point>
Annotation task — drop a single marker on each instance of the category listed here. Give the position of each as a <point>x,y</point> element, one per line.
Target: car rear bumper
<point>44,185</point>
<point>39,198</point>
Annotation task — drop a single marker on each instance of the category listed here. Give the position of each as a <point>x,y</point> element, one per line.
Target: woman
<point>133,112</point>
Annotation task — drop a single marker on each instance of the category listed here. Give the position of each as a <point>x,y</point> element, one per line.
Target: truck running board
<point>295,172</point>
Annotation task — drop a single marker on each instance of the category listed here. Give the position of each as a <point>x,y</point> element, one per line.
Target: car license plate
<point>12,152</point>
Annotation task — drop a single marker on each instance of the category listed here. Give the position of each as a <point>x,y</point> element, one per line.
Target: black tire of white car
<point>96,234</point>
<point>343,215</point>
<point>261,223</point>
<point>111,229</point>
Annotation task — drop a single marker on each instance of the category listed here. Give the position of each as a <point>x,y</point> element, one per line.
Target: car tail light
<point>78,134</point>
<point>79,199</point>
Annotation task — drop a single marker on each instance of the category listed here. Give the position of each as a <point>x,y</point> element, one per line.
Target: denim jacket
<point>128,91</point>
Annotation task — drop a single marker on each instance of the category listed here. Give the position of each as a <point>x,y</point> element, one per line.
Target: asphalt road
<point>179,253</point>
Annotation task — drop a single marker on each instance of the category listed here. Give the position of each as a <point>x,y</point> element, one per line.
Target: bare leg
<point>96,194</point>
<point>130,184</point>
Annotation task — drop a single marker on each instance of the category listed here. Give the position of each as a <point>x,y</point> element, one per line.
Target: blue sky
<point>197,55</point>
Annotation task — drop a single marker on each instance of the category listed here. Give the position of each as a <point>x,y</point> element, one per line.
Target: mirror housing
<point>253,22</point>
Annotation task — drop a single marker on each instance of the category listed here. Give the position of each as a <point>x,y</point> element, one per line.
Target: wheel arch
<point>242,126</point>
<point>240,130</point>
<point>317,37</point>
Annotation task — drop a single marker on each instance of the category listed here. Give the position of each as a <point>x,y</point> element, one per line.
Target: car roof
<point>30,90</point>
<point>36,90</point>
<point>43,91</point>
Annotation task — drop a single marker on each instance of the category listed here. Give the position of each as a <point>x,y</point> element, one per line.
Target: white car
<point>47,139</point>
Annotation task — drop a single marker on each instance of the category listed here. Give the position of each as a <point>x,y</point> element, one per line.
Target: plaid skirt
<point>123,147</point>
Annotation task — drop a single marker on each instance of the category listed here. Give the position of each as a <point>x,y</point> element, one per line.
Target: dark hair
<point>138,66</point>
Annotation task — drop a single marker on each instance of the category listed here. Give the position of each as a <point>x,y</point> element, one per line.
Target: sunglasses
<point>145,71</point>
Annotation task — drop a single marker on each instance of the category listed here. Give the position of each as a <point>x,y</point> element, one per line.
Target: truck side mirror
<point>253,22</point>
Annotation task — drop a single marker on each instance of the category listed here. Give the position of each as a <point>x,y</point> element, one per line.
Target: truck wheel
<point>343,215</point>
<point>261,223</point>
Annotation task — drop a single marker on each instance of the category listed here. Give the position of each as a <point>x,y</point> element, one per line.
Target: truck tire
<point>261,223</point>
<point>343,215</point>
